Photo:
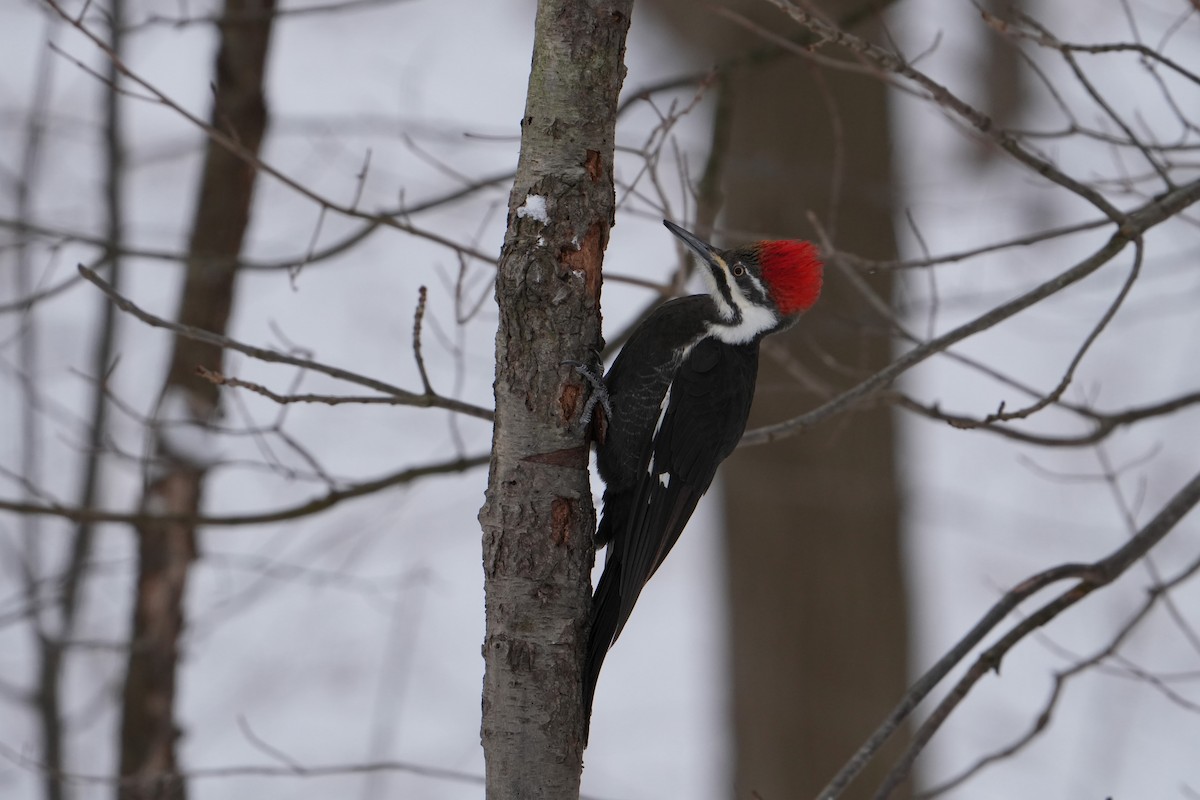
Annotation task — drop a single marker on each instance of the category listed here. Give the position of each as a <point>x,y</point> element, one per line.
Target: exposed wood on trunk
<point>175,485</point>
<point>538,518</point>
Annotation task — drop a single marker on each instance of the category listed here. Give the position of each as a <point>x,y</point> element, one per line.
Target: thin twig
<point>304,509</point>
<point>419,315</point>
<point>1089,576</point>
<point>1130,227</point>
<point>1004,416</point>
<point>889,62</point>
<point>403,396</point>
<point>236,148</point>
<point>1093,576</point>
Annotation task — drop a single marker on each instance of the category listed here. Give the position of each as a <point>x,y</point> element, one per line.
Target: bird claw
<point>599,394</point>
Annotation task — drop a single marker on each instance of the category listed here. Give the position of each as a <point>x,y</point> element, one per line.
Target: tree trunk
<point>175,483</point>
<point>817,603</point>
<point>538,518</point>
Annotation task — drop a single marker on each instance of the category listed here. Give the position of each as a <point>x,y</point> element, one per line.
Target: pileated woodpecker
<point>678,396</point>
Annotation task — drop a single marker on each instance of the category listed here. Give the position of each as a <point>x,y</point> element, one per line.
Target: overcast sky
<point>354,636</point>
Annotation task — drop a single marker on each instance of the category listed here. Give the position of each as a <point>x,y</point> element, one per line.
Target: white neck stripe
<point>756,321</point>
<point>753,320</point>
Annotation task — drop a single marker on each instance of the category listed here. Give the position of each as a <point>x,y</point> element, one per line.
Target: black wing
<point>636,383</point>
<point>701,416</point>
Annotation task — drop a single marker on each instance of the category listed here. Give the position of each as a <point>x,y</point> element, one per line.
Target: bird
<point>677,398</point>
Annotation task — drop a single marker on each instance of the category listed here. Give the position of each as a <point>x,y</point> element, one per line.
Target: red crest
<point>793,272</point>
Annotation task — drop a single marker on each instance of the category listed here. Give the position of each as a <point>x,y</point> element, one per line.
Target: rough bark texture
<point>818,608</point>
<point>175,485</point>
<point>538,518</point>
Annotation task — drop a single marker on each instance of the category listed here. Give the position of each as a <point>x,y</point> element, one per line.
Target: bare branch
<point>235,147</point>
<point>287,399</point>
<point>419,315</point>
<point>1130,228</point>
<point>889,62</point>
<point>246,17</point>
<point>1104,423</point>
<point>402,396</point>
<point>307,508</point>
<point>1091,577</point>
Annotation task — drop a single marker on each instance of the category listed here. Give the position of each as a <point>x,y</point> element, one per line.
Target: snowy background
<point>354,636</point>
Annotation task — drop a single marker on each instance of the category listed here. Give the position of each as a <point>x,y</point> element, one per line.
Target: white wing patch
<point>665,480</point>
<point>662,411</point>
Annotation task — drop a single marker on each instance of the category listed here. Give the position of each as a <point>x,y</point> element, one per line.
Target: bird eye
<point>738,270</point>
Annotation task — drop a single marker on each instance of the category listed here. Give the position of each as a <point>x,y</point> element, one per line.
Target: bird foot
<point>599,395</point>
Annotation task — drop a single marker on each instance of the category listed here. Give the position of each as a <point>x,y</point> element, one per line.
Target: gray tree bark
<point>538,518</point>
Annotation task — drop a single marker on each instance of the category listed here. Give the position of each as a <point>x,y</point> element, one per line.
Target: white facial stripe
<point>715,289</point>
<point>755,319</point>
<point>762,291</point>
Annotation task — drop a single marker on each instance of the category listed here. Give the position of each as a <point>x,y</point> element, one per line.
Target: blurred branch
<point>418,316</point>
<point>709,198</point>
<point>754,58</point>
<point>256,15</point>
<point>1043,37</point>
<point>1025,240</point>
<point>285,399</point>
<point>104,353</point>
<point>1001,415</point>
<point>180,436</point>
<point>292,769</point>
<point>237,148</point>
<point>45,698</point>
<point>291,263</point>
<point>1156,594</point>
<point>1104,423</point>
<point>887,61</point>
<point>401,396</point>
<point>1130,227</point>
<point>1089,576</point>
<point>307,508</point>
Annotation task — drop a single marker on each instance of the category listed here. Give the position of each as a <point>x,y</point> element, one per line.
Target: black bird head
<point>759,288</point>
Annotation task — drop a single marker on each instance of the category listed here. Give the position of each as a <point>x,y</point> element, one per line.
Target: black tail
<point>606,610</point>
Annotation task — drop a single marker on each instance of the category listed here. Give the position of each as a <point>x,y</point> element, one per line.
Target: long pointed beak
<point>702,248</point>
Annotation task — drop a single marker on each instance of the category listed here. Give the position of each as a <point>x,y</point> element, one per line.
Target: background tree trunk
<point>538,518</point>
<point>818,634</point>
<point>176,482</point>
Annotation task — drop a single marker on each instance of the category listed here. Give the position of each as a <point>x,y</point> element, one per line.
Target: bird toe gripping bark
<point>599,394</point>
